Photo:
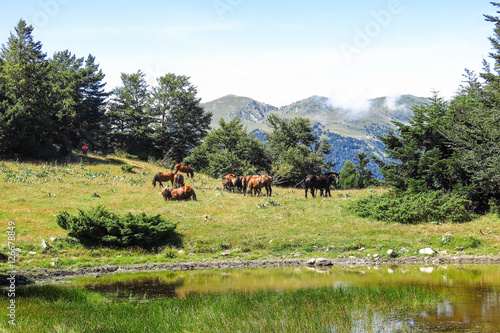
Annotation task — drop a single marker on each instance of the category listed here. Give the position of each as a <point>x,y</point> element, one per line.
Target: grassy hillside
<point>219,225</point>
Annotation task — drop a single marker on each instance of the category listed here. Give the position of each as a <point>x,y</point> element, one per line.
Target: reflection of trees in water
<point>466,308</point>
<point>147,287</point>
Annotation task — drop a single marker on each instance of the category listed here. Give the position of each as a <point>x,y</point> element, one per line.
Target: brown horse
<point>227,181</point>
<point>183,168</point>
<point>258,182</point>
<point>183,193</point>
<point>244,182</point>
<point>178,180</point>
<point>163,177</point>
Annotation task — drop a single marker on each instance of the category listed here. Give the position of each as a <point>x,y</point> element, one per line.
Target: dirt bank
<point>55,274</point>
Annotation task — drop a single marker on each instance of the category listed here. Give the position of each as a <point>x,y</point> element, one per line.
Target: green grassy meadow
<point>219,225</point>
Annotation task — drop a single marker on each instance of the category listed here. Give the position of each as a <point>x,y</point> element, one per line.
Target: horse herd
<point>181,192</point>
<point>246,184</point>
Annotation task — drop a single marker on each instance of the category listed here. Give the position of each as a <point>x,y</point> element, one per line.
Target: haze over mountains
<point>349,130</point>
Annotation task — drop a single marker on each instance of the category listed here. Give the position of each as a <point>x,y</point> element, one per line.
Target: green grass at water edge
<point>63,309</point>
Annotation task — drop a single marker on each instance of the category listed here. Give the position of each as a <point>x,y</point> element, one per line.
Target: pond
<point>471,293</point>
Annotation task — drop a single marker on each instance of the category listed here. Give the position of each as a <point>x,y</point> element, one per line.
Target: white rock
<point>45,246</point>
<point>427,250</point>
<point>311,262</point>
<point>322,262</point>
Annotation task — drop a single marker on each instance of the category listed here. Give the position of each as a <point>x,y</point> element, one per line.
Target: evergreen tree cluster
<point>47,105</point>
<point>51,106</point>
<point>453,146</point>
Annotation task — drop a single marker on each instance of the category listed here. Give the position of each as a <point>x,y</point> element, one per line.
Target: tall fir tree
<point>27,119</point>
<point>129,117</point>
<point>180,122</point>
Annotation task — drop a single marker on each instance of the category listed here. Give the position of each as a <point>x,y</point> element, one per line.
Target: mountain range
<point>349,130</point>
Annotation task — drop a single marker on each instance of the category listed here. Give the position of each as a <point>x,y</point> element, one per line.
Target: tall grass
<point>326,309</point>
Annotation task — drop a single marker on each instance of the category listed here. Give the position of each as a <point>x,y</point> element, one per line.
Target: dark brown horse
<point>183,193</point>
<point>183,168</point>
<point>178,180</point>
<point>323,182</point>
<point>163,177</point>
<point>257,182</point>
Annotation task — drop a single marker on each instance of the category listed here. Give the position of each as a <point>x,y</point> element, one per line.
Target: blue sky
<point>276,52</point>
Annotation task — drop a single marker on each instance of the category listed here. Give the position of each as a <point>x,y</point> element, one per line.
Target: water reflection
<point>472,293</point>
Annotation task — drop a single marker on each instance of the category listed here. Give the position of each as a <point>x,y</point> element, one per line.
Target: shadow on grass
<point>174,239</point>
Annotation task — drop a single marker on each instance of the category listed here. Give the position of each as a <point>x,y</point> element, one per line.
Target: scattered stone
<point>403,250</point>
<point>391,253</point>
<point>191,254</point>
<point>311,262</point>
<point>376,255</point>
<point>225,254</point>
<point>362,249</point>
<point>32,252</point>
<point>297,254</point>
<point>54,239</point>
<point>322,262</point>
<point>180,251</point>
<point>427,250</point>
<point>45,246</point>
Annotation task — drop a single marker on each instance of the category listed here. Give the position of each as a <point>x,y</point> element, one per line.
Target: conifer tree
<point>27,119</point>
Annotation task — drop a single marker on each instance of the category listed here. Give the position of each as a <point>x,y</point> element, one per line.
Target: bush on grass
<point>100,226</point>
<point>413,208</point>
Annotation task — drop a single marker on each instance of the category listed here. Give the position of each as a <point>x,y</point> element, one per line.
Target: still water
<point>472,293</point>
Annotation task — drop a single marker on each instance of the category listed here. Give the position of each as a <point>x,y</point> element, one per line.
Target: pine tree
<point>230,149</point>
<point>27,119</point>
<point>295,151</point>
<point>180,122</point>
<point>129,117</point>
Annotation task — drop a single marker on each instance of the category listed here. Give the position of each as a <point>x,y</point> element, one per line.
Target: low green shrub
<point>100,226</point>
<point>126,168</point>
<point>413,208</point>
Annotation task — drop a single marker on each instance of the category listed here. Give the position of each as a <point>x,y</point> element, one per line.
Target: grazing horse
<point>227,181</point>
<point>313,182</point>
<point>257,182</point>
<point>183,168</point>
<point>183,193</point>
<point>178,180</point>
<point>163,177</point>
<point>237,183</point>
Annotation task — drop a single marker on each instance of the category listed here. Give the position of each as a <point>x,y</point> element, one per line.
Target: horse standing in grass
<point>244,182</point>
<point>258,182</point>
<point>183,193</point>
<point>323,182</point>
<point>227,181</point>
<point>183,168</point>
<point>163,177</point>
<point>178,180</point>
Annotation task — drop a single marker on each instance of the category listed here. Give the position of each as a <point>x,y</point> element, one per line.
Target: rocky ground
<point>55,274</point>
